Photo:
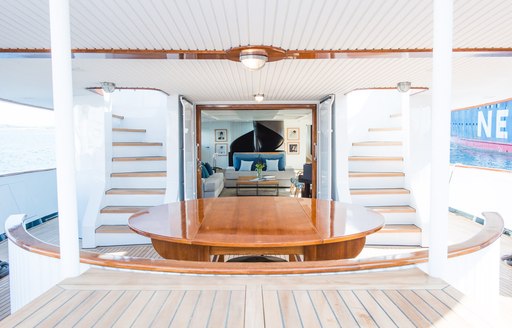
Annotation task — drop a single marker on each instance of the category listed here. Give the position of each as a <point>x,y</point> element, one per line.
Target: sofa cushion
<point>246,165</point>
<point>213,182</point>
<point>259,157</point>
<point>204,172</point>
<point>209,168</point>
<point>272,164</point>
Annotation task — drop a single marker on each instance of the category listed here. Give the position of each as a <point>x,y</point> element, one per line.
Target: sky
<point>25,116</point>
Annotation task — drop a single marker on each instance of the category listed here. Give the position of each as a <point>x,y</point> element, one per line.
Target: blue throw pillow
<point>204,172</point>
<point>209,168</point>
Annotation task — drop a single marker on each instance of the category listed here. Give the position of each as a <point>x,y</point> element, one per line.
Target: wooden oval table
<point>196,229</point>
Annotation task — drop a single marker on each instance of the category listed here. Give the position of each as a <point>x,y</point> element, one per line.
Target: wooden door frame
<point>312,106</point>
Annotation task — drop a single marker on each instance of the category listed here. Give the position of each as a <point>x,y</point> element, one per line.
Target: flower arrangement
<point>259,167</point>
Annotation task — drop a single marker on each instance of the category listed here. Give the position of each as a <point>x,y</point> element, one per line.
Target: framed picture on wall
<point>292,148</point>
<point>292,133</point>
<point>221,149</point>
<point>221,135</point>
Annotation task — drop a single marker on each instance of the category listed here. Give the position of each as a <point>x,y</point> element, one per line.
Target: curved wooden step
<point>400,228</point>
<point>375,158</point>
<point>380,191</point>
<point>139,174</point>
<point>375,174</point>
<point>392,209</point>
<point>127,130</point>
<point>135,191</point>
<point>136,144</point>
<point>143,158</point>
<point>114,229</point>
<point>384,129</point>
<point>377,143</point>
<point>123,209</point>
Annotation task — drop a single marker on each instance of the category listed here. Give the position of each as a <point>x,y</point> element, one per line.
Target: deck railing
<point>27,251</point>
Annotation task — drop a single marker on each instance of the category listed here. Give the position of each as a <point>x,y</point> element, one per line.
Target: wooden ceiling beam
<point>232,55</point>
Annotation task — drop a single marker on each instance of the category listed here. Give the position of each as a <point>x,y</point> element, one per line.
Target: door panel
<point>190,156</point>
<point>323,149</point>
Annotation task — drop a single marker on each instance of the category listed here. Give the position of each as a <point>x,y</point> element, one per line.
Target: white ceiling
<point>255,115</point>
<point>290,24</point>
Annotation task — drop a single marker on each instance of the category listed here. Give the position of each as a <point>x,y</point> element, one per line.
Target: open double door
<point>322,144</point>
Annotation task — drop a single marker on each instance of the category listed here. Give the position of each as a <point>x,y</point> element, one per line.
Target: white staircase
<point>377,181</point>
<point>138,180</point>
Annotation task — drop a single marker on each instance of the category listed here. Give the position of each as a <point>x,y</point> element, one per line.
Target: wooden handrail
<point>491,231</point>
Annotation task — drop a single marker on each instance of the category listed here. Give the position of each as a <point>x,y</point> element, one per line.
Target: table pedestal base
<point>331,251</point>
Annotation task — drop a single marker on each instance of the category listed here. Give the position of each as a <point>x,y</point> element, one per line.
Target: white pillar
<point>65,145</point>
<point>342,152</point>
<point>406,134</point>
<point>440,156</point>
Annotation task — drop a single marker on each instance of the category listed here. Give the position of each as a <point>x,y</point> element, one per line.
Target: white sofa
<point>213,185</point>
<point>230,176</point>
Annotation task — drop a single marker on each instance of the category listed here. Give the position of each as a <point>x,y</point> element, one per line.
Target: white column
<point>440,157</point>
<point>406,134</point>
<point>65,145</point>
<point>342,152</point>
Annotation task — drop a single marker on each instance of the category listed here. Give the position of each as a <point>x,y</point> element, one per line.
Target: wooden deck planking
<point>168,309</point>
<point>323,309</point>
<point>73,318</point>
<point>339,308</point>
<point>413,314</point>
<point>99,309</point>
<point>289,311</point>
<point>358,310</point>
<point>391,309</point>
<point>118,299</point>
<point>117,309</point>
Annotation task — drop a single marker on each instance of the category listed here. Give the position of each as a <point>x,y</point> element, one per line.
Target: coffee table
<point>195,230</point>
<point>247,182</point>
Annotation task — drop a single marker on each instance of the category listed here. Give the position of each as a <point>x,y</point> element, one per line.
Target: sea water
<point>460,154</point>
<point>26,149</point>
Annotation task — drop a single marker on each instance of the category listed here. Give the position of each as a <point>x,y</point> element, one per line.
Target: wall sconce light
<point>259,97</point>
<point>403,86</point>
<point>108,87</point>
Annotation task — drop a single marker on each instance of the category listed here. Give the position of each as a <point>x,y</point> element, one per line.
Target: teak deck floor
<point>279,301</point>
<point>105,298</point>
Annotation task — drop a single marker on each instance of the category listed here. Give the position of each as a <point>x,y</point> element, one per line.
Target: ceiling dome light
<point>403,86</point>
<point>108,87</point>
<point>253,59</point>
<point>259,97</point>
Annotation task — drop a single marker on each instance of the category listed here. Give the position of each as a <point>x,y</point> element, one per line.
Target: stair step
<point>134,191</point>
<point>400,228</point>
<point>127,130</point>
<point>110,235</point>
<point>123,209</point>
<point>377,143</point>
<point>380,191</point>
<point>384,129</point>
<point>375,158</point>
<point>392,209</point>
<point>375,174</point>
<point>143,158</point>
<point>120,117</point>
<point>114,229</point>
<point>395,115</point>
<point>139,174</point>
<point>396,235</point>
<point>136,144</point>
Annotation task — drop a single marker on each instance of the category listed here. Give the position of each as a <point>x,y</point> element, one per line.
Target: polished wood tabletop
<point>249,224</point>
